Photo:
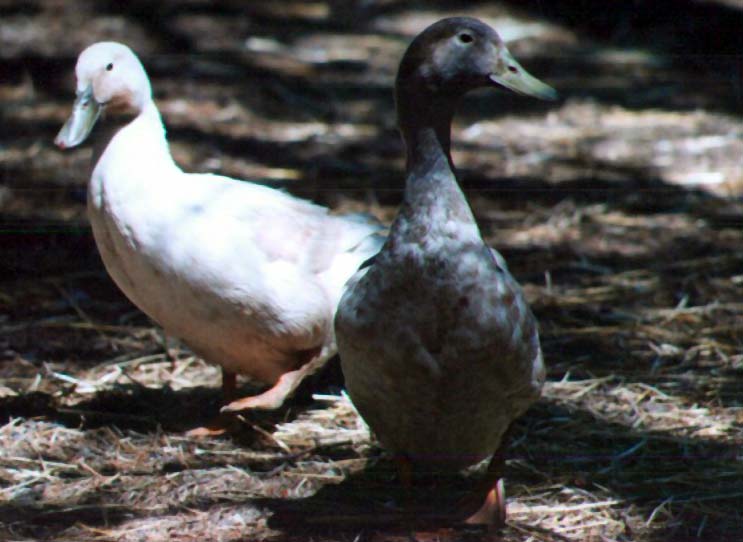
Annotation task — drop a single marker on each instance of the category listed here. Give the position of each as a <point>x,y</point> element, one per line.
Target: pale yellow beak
<point>85,113</point>
<point>517,79</point>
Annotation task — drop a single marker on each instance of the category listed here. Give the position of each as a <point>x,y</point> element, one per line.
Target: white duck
<point>248,276</point>
<point>438,347</point>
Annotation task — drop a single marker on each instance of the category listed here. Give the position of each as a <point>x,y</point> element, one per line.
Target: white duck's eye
<point>466,37</point>
<point>513,69</point>
<point>109,66</point>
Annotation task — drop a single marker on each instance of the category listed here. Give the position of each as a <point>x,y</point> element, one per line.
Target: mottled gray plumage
<point>439,348</point>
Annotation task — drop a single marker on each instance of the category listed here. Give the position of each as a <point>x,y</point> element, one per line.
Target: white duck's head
<point>110,78</point>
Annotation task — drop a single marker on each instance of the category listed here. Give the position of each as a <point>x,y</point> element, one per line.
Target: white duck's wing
<point>303,233</point>
<point>288,231</point>
<point>279,260</point>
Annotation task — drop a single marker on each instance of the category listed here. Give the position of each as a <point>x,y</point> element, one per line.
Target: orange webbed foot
<point>492,512</point>
<point>220,425</point>
<point>274,397</point>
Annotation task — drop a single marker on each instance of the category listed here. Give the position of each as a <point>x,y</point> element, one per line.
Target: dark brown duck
<point>439,348</point>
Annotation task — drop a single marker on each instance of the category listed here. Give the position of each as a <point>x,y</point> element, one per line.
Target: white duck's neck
<point>129,143</point>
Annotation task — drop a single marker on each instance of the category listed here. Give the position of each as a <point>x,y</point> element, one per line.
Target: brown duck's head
<point>459,54</point>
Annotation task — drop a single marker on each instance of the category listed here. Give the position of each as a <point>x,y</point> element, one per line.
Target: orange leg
<point>229,385</point>
<point>404,470</point>
<point>275,396</point>
<point>307,360</point>
<point>270,399</point>
<point>222,423</point>
<point>492,511</point>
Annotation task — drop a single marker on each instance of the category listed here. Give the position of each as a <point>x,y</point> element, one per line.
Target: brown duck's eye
<point>109,66</point>
<point>513,69</point>
<point>464,37</point>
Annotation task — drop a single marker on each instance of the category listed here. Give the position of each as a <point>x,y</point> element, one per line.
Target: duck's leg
<point>229,385</point>
<point>405,478</point>
<point>492,511</point>
<point>273,398</point>
<point>223,422</point>
<point>170,354</point>
<point>404,471</point>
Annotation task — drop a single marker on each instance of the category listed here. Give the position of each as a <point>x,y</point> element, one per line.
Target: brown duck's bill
<point>85,113</point>
<point>517,79</point>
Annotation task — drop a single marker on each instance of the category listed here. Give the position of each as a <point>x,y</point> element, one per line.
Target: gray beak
<point>517,79</point>
<point>85,113</point>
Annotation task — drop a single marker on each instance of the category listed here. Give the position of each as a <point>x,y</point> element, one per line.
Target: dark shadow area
<point>699,52</point>
<point>374,499</point>
<point>702,40</point>
<point>49,522</point>
<point>705,27</point>
<point>145,409</point>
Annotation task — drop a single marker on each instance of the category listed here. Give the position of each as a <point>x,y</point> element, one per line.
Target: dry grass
<point>637,436</point>
<point>618,210</point>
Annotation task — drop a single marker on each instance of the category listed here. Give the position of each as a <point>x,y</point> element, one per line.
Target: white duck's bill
<point>85,113</point>
<point>517,79</point>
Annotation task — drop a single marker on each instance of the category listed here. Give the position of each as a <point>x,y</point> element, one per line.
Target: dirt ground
<point>619,208</point>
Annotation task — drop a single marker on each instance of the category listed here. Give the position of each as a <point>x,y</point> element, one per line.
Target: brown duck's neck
<point>431,189</point>
<point>425,124</point>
